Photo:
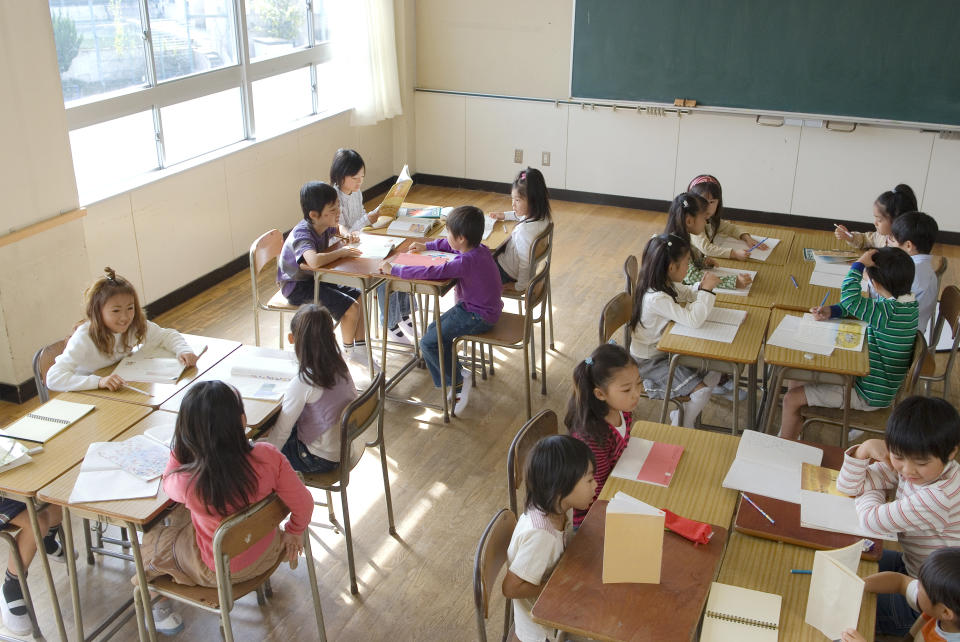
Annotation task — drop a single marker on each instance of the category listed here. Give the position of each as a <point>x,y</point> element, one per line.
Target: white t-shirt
<point>535,549</point>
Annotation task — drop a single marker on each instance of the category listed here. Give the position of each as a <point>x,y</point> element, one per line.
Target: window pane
<point>191,37</point>
<point>329,76</point>
<point>321,20</point>
<point>276,27</point>
<point>280,100</point>
<point>201,125</point>
<point>99,46</point>
<point>107,153</point>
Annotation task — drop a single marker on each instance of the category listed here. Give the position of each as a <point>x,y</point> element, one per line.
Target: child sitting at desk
<point>478,295</point>
<point>915,233</point>
<point>115,325</point>
<point>531,207</point>
<point>708,187</point>
<point>559,476</point>
<point>936,594</point>
<point>916,457</point>
<point>308,247</point>
<point>891,329</point>
<point>886,209</point>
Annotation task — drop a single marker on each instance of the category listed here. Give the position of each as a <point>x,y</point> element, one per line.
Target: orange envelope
<point>633,541</point>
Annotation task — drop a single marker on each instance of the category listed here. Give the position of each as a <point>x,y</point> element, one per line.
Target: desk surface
<point>216,350</point>
<point>764,565</point>
<point>695,491</point>
<point>844,362</point>
<point>745,347</point>
<point>138,511</point>
<point>575,598</point>
<point>764,289</point>
<point>780,255</point>
<point>66,449</point>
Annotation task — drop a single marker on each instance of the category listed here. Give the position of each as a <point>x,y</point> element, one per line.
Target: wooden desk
<point>132,514</point>
<point>575,599</point>
<point>216,350</point>
<point>804,296</point>
<point>744,350</point>
<point>764,565</point>
<point>258,412</point>
<point>838,368</point>
<point>695,492</point>
<point>780,255</point>
<point>60,453</point>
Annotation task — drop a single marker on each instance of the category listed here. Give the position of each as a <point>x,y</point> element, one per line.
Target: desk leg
<point>45,563</point>
<point>668,390</point>
<point>365,315</point>
<point>142,581</point>
<point>388,286</point>
<point>845,429</point>
<point>752,396</point>
<point>72,573</point>
<point>734,427</point>
<point>776,380</point>
<point>443,380</point>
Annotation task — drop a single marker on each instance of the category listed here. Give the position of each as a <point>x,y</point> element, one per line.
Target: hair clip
<point>588,361</point>
<point>685,204</point>
<point>523,175</point>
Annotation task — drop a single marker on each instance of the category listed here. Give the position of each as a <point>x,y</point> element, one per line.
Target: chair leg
<point>87,544</point>
<point>386,487</point>
<point>549,311</point>
<point>138,607</point>
<point>483,362</point>
<point>256,324</point>
<point>280,331</point>
<point>543,357</point>
<point>225,627</point>
<point>491,361</point>
<point>330,514</point>
<point>261,596</point>
<point>349,536</point>
<point>526,380</point>
<point>314,591</point>
<point>533,354</point>
<point>268,588</point>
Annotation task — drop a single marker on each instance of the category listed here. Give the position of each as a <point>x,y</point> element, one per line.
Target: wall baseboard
<point>657,205</point>
<point>18,393</point>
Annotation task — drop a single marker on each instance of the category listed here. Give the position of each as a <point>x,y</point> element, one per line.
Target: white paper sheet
<point>101,480</point>
<point>836,513</point>
<point>709,331</point>
<point>738,244</point>
<point>724,271</point>
<point>786,335</point>
<point>770,466</point>
<point>623,503</point>
<point>632,459</point>
<point>827,279</point>
<point>836,591</point>
<point>264,367</point>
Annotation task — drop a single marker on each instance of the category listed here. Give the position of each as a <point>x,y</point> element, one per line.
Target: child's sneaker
<point>464,395</point>
<point>13,608</point>
<point>674,418</point>
<point>406,326</point>
<point>165,619</point>
<point>397,335</point>
<point>358,354</point>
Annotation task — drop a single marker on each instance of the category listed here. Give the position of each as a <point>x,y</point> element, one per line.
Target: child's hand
<point>709,281</point>
<point>354,238</point>
<point>743,280</point>
<point>188,359</point>
<point>740,255</point>
<point>348,251</point>
<point>749,240</point>
<point>709,262</point>
<point>292,547</point>
<point>386,268</point>
<point>496,215</point>
<point>820,313</point>
<point>417,247</point>
<point>111,382</point>
<point>875,449</point>
<point>867,257</point>
<point>851,635</point>
<point>842,233</point>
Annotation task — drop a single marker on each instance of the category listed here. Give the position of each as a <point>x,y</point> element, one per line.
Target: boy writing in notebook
<point>936,595</point>
<point>916,459</point>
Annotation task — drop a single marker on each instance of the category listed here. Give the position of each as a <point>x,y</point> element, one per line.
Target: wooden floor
<point>447,480</point>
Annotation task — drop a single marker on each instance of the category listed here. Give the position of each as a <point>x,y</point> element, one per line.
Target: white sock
<point>693,408</point>
<point>464,395</point>
<point>711,379</point>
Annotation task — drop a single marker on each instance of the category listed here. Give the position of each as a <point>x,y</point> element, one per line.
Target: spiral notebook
<point>46,421</point>
<point>736,613</point>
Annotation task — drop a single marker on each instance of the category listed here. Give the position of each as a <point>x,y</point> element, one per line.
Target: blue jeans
<point>304,461</point>
<point>894,615</point>
<point>400,305</point>
<point>455,322</point>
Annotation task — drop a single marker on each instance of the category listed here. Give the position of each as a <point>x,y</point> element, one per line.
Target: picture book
<point>788,334</point>
<point>825,508</point>
<point>836,591</point>
<point>425,211</point>
<point>377,246</point>
<point>632,541</point>
<point>770,466</point>
<point>140,456</point>
<point>102,480</point>
<point>722,325</point>
<point>46,421</point>
<point>157,365</point>
<point>391,203</point>
<point>736,613</point>
<point>650,462</point>
<point>846,334</point>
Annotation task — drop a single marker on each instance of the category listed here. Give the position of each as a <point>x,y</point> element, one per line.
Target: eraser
<point>678,102</point>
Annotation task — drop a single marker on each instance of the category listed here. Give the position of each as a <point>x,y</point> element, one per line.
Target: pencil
<point>846,232</point>
<point>800,571</point>
<point>142,392</point>
<point>769,519</point>
<point>504,225</point>
<point>794,282</point>
<point>825,297</point>
<point>759,243</point>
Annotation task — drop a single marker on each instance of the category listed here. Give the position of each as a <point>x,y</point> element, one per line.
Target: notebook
<point>836,591</point>
<point>723,271</point>
<point>739,244</point>
<point>650,462</point>
<point>633,541</point>
<point>744,615</point>
<point>825,508</point>
<point>12,454</point>
<point>426,258</point>
<point>722,325</point>
<point>377,246</point>
<point>46,421</point>
<point>770,466</point>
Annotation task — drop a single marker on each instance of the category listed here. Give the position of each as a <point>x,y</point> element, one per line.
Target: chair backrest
<point>487,563</point>
<point>538,257</point>
<point>535,295</point>
<point>615,315</point>
<point>949,316</point>
<point>359,417</point>
<point>541,425</point>
<point>262,251</point>
<point>631,270</point>
<point>42,361</point>
<point>909,385</point>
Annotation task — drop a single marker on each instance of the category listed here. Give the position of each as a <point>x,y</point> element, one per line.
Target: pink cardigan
<point>273,473</point>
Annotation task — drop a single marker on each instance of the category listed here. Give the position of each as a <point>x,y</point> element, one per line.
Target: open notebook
<point>722,325</point>
<point>739,244</point>
<point>770,466</point>
<point>154,366</point>
<point>47,420</point>
<point>737,614</point>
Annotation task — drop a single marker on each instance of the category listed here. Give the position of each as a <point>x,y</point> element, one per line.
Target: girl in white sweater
<point>659,298</point>
<point>531,206</point>
<point>115,325</point>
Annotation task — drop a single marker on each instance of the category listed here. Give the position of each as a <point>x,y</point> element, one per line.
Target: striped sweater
<point>924,518</point>
<point>891,329</point>
<point>606,456</point>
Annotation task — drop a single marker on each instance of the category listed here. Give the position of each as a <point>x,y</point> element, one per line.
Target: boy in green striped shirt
<point>891,328</point>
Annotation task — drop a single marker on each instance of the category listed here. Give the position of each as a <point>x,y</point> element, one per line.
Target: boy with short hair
<point>916,458</point>
<point>891,320</point>
<point>915,233</point>
<point>936,595</point>
<point>478,294</point>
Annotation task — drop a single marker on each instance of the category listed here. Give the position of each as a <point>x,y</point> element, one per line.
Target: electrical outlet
<point>545,159</point>
<point>518,156</point>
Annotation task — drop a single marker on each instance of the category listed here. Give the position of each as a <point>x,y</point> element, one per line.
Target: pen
<point>769,519</point>
<point>504,225</point>
<point>758,244</point>
<point>825,297</point>
<point>142,392</point>
<point>794,282</point>
<point>800,571</point>
<point>846,232</point>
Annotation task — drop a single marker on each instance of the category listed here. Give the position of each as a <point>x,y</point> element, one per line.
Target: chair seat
<point>322,480</point>
<point>206,596</point>
<point>510,291</point>
<point>876,419</point>
<point>279,302</point>
<point>507,331</point>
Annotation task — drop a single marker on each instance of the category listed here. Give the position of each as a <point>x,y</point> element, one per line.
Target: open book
<point>722,325</point>
<point>770,466</point>
<point>154,366</point>
<point>412,226</point>
<point>391,203</point>
<point>376,246</point>
<point>650,462</point>
<point>736,613</point>
<point>264,368</point>
<point>725,271</point>
<point>836,591</point>
<point>46,421</point>
<point>825,508</point>
<point>102,479</point>
<point>740,244</point>
<point>818,337</point>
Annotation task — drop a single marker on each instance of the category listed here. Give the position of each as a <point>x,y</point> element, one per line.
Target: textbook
<point>102,480</point>
<point>770,466</point>
<point>736,613</point>
<point>412,227</point>
<point>739,244</point>
<point>633,541</point>
<point>426,211</point>
<point>12,454</point>
<point>264,368</point>
<point>377,246</point>
<point>722,325</point>
<point>836,591</point>
<point>46,421</point>
<point>426,258</point>
<point>391,203</point>
<point>154,366</point>
<point>650,462</point>
<point>724,271</point>
<point>825,508</point>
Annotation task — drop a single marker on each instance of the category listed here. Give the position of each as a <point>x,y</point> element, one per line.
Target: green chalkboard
<point>890,59</point>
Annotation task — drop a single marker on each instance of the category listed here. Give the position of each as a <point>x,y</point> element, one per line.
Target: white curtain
<point>365,54</point>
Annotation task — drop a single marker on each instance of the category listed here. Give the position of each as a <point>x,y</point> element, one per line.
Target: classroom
<point>478,83</point>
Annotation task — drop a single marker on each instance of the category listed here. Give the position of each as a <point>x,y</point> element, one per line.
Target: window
<point>151,83</point>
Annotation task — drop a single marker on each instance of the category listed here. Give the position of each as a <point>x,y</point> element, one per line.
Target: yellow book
<point>632,542</point>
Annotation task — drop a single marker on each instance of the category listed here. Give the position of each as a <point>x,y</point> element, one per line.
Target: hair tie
<point>894,190</point>
<point>110,274</point>
<point>523,175</point>
<point>588,361</point>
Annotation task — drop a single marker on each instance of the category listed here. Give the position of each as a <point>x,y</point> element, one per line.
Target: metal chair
<point>631,270</point>
<point>949,315</point>
<point>541,253</point>
<point>491,557</point>
<point>235,535</point>
<point>543,424</point>
<point>363,416</point>
<point>263,251</point>
<point>9,534</point>
<point>42,361</point>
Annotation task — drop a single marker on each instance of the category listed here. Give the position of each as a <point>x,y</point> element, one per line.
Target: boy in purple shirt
<point>478,293</point>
